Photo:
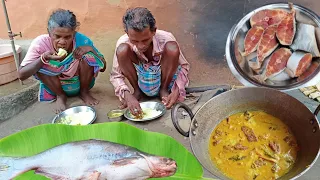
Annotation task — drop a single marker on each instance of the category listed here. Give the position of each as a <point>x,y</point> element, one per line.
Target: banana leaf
<point>40,138</point>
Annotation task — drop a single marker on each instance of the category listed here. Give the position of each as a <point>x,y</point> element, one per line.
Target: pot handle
<point>317,111</point>
<point>175,119</point>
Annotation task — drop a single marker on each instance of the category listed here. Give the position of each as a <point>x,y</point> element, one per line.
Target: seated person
<point>69,74</point>
<point>150,59</point>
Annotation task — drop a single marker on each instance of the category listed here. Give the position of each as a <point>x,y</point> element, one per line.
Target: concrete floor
<point>201,28</point>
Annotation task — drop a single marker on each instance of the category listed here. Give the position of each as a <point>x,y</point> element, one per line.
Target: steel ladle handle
<point>174,118</point>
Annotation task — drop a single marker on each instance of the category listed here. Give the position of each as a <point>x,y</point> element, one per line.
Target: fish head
<point>161,166</point>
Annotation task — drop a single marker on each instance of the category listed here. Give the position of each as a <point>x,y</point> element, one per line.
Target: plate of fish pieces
<point>276,46</point>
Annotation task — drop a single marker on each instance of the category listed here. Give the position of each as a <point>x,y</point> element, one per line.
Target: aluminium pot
<point>303,123</point>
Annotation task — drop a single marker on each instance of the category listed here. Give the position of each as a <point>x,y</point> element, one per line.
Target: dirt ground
<point>101,20</point>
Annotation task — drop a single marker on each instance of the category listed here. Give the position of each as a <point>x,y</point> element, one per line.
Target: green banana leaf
<point>40,138</point>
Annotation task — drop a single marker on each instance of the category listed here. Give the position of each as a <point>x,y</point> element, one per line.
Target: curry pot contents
<point>253,145</point>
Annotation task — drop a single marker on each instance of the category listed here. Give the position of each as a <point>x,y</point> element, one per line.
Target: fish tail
<point>7,168</point>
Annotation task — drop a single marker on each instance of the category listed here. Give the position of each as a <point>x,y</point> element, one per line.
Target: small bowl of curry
<point>115,115</point>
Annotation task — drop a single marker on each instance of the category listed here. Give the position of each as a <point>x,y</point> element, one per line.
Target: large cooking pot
<point>296,115</point>
<point>236,38</point>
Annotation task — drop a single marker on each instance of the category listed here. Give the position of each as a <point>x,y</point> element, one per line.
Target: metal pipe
<point>11,35</point>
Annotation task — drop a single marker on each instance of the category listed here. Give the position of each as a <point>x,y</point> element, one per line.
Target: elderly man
<point>150,59</point>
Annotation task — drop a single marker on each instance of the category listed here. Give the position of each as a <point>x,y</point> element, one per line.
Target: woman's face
<point>62,38</point>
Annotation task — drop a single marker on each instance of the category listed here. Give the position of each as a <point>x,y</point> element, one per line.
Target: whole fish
<point>90,159</point>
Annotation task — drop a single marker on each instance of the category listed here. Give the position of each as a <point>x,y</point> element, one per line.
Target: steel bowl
<point>149,104</point>
<point>119,115</point>
<point>236,38</point>
<point>75,110</point>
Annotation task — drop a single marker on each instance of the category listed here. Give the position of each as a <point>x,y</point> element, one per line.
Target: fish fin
<point>91,176</point>
<point>122,162</point>
<point>45,173</point>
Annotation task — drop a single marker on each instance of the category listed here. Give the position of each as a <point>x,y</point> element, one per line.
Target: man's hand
<point>51,55</point>
<point>133,104</point>
<point>82,50</point>
<point>170,100</point>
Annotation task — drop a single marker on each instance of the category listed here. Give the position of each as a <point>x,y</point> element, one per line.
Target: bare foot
<point>164,93</point>
<point>88,99</point>
<point>60,104</point>
<point>170,99</point>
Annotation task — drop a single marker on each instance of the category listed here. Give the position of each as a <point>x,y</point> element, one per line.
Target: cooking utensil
<point>116,115</point>
<point>303,123</point>
<point>236,38</point>
<point>74,110</point>
<point>146,105</point>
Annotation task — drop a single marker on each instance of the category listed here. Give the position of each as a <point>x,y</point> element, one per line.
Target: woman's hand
<point>51,55</point>
<point>82,50</point>
<point>105,64</point>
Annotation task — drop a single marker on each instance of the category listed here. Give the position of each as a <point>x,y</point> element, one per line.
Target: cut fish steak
<point>273,67</point>
<point>252,40</point>
<point>298,63</point>
<point>267,17</point>
<point>267,44</point>
<point>313,67</point>
<point>287,27</point>
<point>278,62</point>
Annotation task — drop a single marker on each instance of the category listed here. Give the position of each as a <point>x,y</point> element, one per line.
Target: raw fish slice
<point>287,27</point>
<point>273,67</point>
<point>313,67</point>
<point>267,17</point>
<point>305,39</point>
<point>278,62</point>
<point>252,40</point>
<point>283,76</point>
<point>267,44</point>
<point>298,63</point>
<point>262,69</point>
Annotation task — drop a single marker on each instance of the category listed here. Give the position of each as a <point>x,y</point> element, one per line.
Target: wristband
<point>44,61</point>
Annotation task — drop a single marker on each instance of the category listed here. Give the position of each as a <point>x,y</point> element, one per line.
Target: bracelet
<point>44,61</point>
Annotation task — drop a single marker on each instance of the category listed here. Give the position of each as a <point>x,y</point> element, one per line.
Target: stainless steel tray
<point>236,38</point>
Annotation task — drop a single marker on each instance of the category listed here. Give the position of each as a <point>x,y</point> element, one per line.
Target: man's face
<point>62,38</point>
<point>142,40</point>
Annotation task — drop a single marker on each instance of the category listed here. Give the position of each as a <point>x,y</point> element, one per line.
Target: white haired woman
<point>67,74</point>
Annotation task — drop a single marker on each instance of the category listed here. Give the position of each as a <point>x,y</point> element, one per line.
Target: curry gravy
<point>253,145</point>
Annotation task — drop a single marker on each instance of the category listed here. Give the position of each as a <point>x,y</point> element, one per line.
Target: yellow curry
<point>253,146</point>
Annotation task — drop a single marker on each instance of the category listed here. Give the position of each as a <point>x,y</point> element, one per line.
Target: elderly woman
<point>67,74</point>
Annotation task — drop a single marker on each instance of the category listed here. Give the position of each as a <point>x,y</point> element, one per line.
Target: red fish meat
<point>313,67</point>
<point>267,17</point>
<point>267,44</point>
<point>252,40</point>
<point>278,62</point>
<point>298,63</point>
<point>287,28</point>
